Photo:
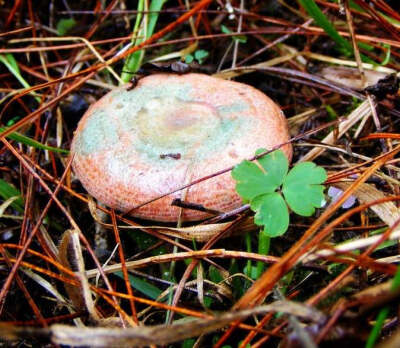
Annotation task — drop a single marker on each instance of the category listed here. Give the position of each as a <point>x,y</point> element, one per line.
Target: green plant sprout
<point>64,25</point>
<point>199,55</point>
<point>271,189</point>
<point>239,38</point>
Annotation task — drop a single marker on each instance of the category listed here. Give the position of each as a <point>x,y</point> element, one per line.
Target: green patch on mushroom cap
<point>99,133</point>
<point>155,121</point>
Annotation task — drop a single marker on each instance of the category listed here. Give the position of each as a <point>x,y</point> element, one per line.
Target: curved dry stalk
<point>218,253</point>
<point>159,334</point>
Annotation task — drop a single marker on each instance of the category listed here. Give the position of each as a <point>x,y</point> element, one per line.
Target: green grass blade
<point>144,287</point>
<point>134,61</point>
<point>7,191</point>
<point>344,46</point>
<point>387,56</point>
<point>382,315</point>
<point>319,17</point>
<point>396,280</point>
<point>376,330</point>
<point>9,61</point>
<point>31,142</point>
<point>155,8</point>
<point>11,64</point>
<point>131,61</point>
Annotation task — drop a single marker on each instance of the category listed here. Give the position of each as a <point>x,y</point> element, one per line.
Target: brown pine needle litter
<point>203,269</point>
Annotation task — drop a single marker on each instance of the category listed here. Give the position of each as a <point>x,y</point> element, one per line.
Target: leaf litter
<point>291,51</point>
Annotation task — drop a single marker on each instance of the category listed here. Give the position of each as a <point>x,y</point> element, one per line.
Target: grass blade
<point>31,142</point>
<point>382,315</point>
<point>11,64</point>
<point>141,285</point>
<point>319,17</point>
<point>7,191</point>
<point>134,61</point>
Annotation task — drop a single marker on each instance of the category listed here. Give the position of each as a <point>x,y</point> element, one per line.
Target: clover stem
<point>248,249</point>
<point>263,249</point>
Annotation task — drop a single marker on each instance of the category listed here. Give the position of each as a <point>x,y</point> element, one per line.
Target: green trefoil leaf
<point>272,213</point>
<point>265,176</point>
<point>302,188</point>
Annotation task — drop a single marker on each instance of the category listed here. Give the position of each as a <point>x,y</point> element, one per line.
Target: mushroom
<point>136,144</point>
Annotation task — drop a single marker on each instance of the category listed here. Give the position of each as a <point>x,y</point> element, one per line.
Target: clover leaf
<point>257,183</point>
<point>272,213</point>
<point>303,190</point>
<point>254,180</point>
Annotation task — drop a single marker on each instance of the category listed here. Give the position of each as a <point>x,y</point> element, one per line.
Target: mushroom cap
<point>134,145</point>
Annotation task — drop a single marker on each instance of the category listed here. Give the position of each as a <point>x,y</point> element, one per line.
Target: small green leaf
<point>225,29</point>
<point>189,59</point>
<point>253,181</point>
<point>275,164</point>
<point>272,213</point>
<point>240,38</point>
<point>201,55</point>
<point>303,190</point>
<point>65,25</point>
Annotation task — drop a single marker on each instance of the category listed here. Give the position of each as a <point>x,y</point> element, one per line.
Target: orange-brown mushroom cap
<point>134,145</point>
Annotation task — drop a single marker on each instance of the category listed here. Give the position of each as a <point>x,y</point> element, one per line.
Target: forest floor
<point>75,272</point>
